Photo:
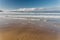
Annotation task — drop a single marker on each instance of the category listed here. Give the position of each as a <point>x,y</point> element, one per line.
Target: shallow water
<point>16,29</point>
<point>28,29</point>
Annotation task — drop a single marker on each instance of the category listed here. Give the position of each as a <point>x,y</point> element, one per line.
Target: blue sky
<point>15,4</point>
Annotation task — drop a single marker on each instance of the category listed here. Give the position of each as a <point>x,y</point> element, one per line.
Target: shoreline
<point>17,29</point>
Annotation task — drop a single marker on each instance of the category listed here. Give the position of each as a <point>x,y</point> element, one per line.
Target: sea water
<point>49,17</point>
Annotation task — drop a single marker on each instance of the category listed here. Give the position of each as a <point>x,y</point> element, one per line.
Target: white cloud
<point>30,9</point>
<point>36,9</point>
<point>26,9</point>
<point>39,9</point>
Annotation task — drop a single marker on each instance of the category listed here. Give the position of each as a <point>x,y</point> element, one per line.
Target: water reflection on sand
<point>19,29</point>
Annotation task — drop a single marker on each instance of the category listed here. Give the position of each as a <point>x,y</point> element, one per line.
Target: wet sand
<point>27,30</point>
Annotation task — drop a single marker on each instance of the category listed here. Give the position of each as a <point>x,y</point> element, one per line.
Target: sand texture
<point>25,30</point>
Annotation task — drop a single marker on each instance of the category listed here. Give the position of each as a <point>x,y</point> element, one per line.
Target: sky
<point>16,4</point>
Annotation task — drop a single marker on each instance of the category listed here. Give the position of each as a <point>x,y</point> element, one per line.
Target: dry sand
<point>24,30</point>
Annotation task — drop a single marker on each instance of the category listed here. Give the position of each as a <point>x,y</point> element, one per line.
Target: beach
<point>18,29</point>
<point>29,19</point>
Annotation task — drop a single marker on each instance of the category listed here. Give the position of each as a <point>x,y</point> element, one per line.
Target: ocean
<point>49,17</point>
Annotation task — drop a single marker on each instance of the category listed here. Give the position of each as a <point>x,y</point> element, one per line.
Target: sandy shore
<point>27,30</point>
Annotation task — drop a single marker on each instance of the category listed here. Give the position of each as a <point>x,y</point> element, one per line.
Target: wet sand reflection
<point>25,30</point>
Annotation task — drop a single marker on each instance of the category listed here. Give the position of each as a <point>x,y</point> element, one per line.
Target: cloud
<point>36,9</point>
<point>26,9</point>
<point>29,9</point>
<point>39,9</point>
